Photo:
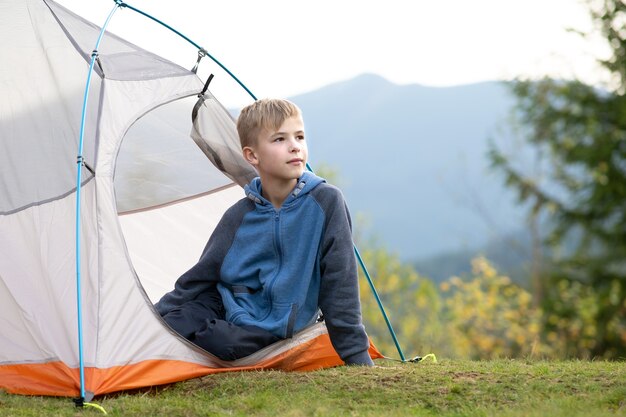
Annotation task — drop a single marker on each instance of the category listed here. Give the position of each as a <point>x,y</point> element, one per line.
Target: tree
<point>579,132</point>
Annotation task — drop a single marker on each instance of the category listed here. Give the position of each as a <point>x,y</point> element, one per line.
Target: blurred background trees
<point>579,133</point>
<point>574,303</point>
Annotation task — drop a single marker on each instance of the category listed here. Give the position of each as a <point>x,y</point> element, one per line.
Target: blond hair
<point>267,113</point>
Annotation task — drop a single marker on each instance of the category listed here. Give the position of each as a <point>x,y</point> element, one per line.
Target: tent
<point>154,184</point>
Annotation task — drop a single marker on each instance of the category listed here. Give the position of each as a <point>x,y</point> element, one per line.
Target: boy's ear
<point>250,156</point>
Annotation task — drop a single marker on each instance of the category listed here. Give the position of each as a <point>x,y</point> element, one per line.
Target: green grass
<point>509,388</point>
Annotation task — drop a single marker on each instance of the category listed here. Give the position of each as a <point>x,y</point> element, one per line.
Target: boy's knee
<point>191,317</point>
<point>216,338</point>
<point>230,342</point>
<point>181,321</point>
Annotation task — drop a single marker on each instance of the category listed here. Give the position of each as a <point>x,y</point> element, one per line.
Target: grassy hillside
<point>448,388</point>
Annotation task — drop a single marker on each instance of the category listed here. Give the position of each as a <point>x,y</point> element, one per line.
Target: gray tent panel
<point>118,59</point>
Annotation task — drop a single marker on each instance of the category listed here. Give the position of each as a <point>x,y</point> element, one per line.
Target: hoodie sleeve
<point>202,278</point>
<point>339,287</point>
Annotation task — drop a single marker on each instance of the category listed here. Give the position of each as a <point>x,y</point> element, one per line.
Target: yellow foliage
<point>488,316</point>
<point>481,317</point>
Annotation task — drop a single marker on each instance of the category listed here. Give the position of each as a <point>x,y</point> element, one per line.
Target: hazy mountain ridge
<point>414,159</point>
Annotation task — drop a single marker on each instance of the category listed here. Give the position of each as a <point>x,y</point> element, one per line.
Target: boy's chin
<point>297,174</point>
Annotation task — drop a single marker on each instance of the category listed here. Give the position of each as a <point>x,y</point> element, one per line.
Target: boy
<point>277,256</point>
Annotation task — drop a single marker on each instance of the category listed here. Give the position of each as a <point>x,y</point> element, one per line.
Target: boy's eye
<point>278,139</point>
<point>300,137</point>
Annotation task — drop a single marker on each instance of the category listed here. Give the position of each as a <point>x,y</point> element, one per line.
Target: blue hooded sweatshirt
<point>276,268</point>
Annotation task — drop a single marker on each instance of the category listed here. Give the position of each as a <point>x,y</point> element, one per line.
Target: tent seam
<point>48,200</point>
<point>180,200</point>
<point>86,57</point>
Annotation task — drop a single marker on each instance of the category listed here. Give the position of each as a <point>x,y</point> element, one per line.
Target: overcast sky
<point>284,47</point>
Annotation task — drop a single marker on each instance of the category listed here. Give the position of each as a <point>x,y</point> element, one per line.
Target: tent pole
<point>80,162</point>
<point>123,4</point>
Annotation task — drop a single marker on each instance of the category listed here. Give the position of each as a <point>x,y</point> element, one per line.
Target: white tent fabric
<point>40,117</point>
<point>154,188</point>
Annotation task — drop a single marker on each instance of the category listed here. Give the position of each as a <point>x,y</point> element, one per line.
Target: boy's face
<point>280,155</point>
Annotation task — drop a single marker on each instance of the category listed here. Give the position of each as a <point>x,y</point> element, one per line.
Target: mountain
<point>413,160</point>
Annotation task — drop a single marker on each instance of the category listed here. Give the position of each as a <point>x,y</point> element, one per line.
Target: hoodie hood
<point>307,182</point>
